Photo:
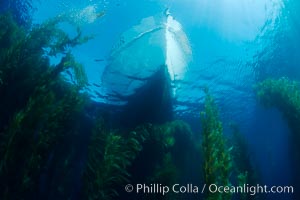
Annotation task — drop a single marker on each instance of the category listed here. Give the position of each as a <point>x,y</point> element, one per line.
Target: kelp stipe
<point>217,156</point>
<point>110,154</point>
<point>44,110</point>
<point>160,143</point>
<point>242,166</point>
<point>165,173</point>
<point>32,135</point>
<point>24,64</point>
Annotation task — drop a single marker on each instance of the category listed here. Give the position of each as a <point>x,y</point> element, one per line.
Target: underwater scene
<point>149,99</point>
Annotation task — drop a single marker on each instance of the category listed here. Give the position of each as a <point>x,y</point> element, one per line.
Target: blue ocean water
<point>234,43</point>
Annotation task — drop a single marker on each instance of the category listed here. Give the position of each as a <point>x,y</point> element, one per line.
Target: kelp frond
<point>282,93</point>
<point>38,109</point>
<point>109,157</point>
<point>217,158</point>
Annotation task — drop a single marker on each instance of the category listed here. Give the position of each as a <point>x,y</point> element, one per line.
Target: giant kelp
<point>39,109</point>
<point>166,158</point>
<point>217,156</point>
<point>159,141</point>
<point>24,64</point>
<point>242,165</point>
<point>30,138</point>
<point>223,165</point>
<point>110,154</point>
<point>165,173</point>
<point>117,158</point>
<point>284,94</point>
